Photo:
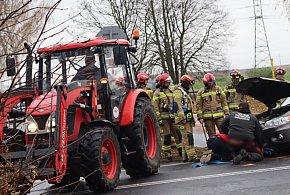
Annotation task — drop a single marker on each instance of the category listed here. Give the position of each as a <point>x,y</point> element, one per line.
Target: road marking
<point>203,177</point>
<point>175,164</point>
<point>169,165</point>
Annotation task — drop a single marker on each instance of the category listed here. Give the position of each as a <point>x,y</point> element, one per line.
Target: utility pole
<point>262,52</point>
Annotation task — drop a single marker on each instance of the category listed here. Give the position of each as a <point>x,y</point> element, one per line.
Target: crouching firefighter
<point>183,109</point>
<point>162,103</point>
<point>242,140</point>
<point>142,83</point>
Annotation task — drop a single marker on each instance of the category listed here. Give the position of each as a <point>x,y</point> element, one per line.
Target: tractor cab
<point>93,118</point>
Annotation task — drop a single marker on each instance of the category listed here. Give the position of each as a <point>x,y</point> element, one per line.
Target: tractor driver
<point>90,71</point>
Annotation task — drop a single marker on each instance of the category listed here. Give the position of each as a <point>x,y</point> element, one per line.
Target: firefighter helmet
<point>164,77</point>
<point>235,74</point>
<point>142,77</point>
<point>208,77</point>
<point>280,71</point>
<point>186,78</point>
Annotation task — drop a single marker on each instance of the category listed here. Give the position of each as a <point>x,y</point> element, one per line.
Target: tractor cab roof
<point>97,41</point>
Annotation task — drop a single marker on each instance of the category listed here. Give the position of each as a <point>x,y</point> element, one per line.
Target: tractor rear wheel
<point>101,159</point>
<point>144,138</point>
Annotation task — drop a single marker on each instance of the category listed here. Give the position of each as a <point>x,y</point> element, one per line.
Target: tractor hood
<point>267,91</point>
<point>43,104</point>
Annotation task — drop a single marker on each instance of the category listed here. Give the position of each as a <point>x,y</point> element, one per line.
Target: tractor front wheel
<point>101,159</point>
<point>143,139</point>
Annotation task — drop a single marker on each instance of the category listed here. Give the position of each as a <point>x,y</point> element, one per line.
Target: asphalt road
<point>271,176</point>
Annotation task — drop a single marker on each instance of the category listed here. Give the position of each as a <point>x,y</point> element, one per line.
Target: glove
<point>201,120</point>
<point>161,122</point>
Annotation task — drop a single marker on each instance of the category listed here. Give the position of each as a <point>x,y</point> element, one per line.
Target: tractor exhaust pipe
<point>29,60</point>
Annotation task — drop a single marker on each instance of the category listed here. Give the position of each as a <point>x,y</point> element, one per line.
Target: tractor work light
<point>32,126</point>
<point>50,123</point>
<point>104,80</point>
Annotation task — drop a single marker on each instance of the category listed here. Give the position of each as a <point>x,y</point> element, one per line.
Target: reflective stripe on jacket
<point>183,103</point>
<point>162,103</point>
<point>233,97</point>
<point>211,104</point>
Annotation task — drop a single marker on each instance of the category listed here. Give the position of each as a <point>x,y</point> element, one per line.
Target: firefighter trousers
<point>188,150</point>
<point>211,124</point>
<point>169,128</point>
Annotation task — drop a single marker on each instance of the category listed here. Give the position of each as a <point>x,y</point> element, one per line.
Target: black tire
<point>92,164</point>
<point>141,164</point>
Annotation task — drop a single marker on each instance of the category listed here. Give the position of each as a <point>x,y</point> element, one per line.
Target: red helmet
<point>142,77</point>
<point>164,77</point>
<point>208,77</point>
<point>235,74</point>
<point>187,78</point>
<point>280,71</point>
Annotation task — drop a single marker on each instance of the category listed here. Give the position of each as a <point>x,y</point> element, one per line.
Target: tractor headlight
<point>50,123</point>
<point>277,121</point>
<point>32,126</point>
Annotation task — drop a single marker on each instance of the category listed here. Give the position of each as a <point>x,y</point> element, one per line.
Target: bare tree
<point>20,21</point>
<point>189,35</point>
<point>179,36</point>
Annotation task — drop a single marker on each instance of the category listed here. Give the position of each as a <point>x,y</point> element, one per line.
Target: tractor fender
<point>102,123</point>
<point>127,115</point>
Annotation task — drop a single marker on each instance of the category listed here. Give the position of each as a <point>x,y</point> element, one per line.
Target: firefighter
<point>183,109</point>
<point>162,101</point>
<point>142,83</point>
<point>234,98</point>
<point>211,105</point>
<point>280,72</point>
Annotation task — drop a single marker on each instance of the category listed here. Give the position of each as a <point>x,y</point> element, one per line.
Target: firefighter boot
<point>190,154</point>
<point>206,156</point>
<point>166,148</point>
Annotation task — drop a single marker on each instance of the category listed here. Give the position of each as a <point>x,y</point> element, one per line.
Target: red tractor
<point>92,125</point>
<point>13,103</point>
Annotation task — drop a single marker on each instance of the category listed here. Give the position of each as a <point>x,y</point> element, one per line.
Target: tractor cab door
<point>119,83</point>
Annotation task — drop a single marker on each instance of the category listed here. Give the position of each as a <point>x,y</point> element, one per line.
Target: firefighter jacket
<point>234,98</point>
<point>211,103</point>
<point>162,102</point>
<point>193,98</point>
<point>183,106</point>
<point>148,90</point>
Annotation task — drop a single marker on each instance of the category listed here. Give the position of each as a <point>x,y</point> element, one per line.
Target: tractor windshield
<point>78,67</point>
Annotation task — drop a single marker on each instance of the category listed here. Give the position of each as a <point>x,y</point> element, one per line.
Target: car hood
<point>267,91</point>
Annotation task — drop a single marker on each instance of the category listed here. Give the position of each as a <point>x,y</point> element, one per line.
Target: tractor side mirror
<point>10,66</point>
<point>120,55</point>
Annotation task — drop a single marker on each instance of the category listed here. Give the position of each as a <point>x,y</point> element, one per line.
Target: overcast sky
<point>240,48</point>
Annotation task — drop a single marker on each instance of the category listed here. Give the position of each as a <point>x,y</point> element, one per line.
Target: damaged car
<point>275,122</point>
